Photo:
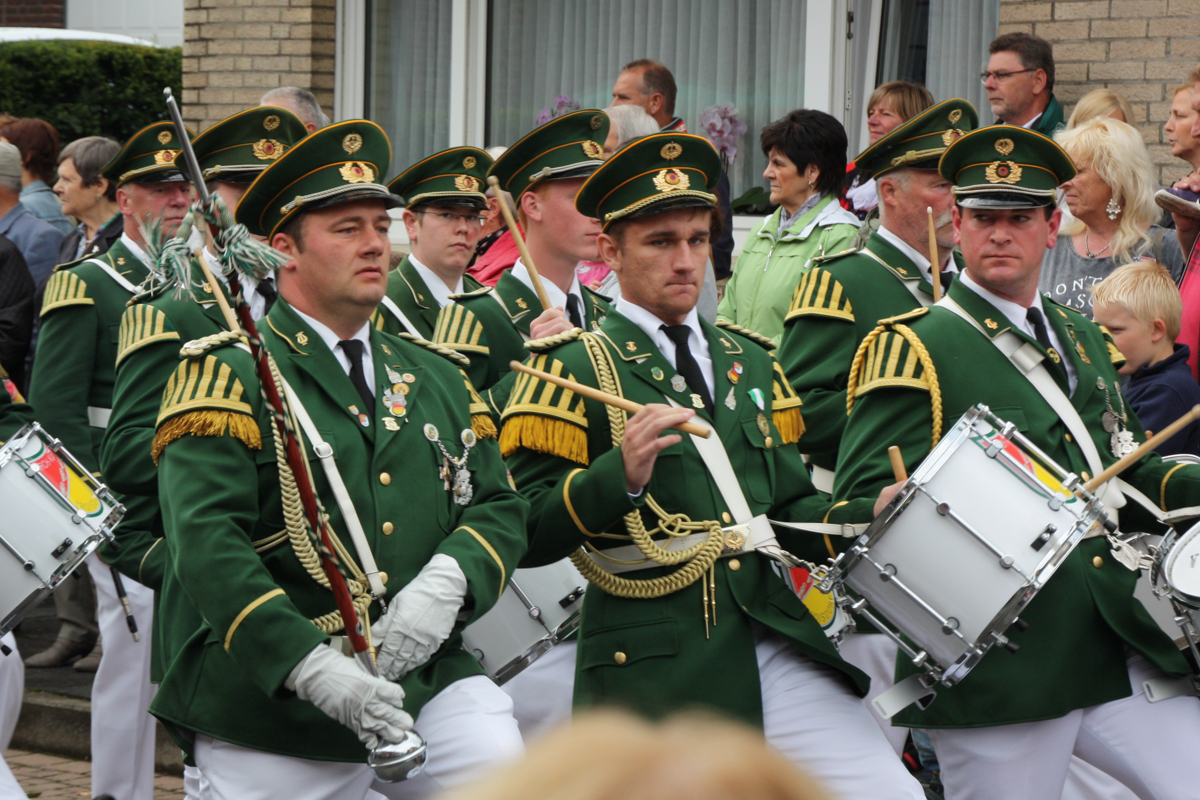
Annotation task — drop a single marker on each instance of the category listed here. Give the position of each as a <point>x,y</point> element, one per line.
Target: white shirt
<point>331,341</point>
<point>258,303</point>
<point>653,326</point>
<point>136,249</point>
<point>1015,313</point>
<point>914,255</point>
<point>556,295</point>
<point>437,287</point>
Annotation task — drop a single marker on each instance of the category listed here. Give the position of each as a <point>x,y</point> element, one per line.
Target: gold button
<point>619,657</point>
<point>384,478</point>
<point>1085,476</point>
<point>1097,562</point>
<point>1069,439</point>
<point>769,442</point>
<point>388,528</point>
<point>726,518</point>
<point>734,564</point>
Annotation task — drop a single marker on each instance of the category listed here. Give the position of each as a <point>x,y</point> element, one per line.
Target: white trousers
<point>875,654</point>
<point>542,692</point>
<point>1148,747</point>
<point>468,727</point>
<point>1085,782</point>
<point>12,690</point>
<point>122,728</point>
<point>812,718</point>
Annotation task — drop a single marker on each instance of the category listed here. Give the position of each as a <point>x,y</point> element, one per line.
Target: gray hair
<point>301,102</point>
<point>10,183</point>
<point>630,122</point>
<point>89,155</point>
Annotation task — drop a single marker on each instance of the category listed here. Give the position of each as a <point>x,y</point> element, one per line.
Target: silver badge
<point>730,400</point>
<point>678,383</point>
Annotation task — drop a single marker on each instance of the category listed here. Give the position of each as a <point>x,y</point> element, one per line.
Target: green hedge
<point>88,88</point>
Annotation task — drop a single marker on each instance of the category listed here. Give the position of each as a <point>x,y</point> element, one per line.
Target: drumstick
<point>935,267</point>
<point>1151,443</point>
<point>222,303</point>
<point>124,598</point>
<point>526,259</point>
<point>603,397</point>
<point>897,464</point>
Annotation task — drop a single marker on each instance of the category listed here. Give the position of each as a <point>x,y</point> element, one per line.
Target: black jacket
<point>16,310</point>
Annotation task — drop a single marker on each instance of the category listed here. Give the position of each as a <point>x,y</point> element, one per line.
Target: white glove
<point>369,706</point>
<point>420,618</point>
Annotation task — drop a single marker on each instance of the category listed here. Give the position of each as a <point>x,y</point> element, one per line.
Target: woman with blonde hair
<point>1112,201</point>
<point>1100,103</point>
<point>891,105</point>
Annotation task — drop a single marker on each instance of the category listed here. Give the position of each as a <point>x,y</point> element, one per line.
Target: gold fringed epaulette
<point>785,407</point>
<point>142,325</point>
<point>820,294</point>
<point>458,327</point>
<point>208,400</point>
<point>207,423</point>
<point>892,356</point>
<point>758,338</point>
<point>458,358</point>
<point>544,417</point>
<point>65,289</point>
<point>481,417</point>
<point>547,342</point>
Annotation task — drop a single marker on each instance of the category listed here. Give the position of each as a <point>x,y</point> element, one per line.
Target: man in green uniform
<point>263,694</point>
<point>543,172</point>
<point>444,219</point>
<point>1076,684</point>
<point>72,389</point>
<point>708,621</point>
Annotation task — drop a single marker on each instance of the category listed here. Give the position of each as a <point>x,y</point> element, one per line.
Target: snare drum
<point>56,514</point>
<point>538,610</point>
<point>970,538</point>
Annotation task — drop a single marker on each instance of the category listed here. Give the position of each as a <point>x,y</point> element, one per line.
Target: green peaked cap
<point>148,157</point>
<point>239,147</point>
<point>335,164</point>
<point>456,177</point>
<point>570,146</point>
<point>652,174</point>
<point>920,141</point>
<point>1004,166</point>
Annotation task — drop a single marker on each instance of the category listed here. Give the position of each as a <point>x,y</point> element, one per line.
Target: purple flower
<point>721,126</point>
<point>543,117</point>
<point>562,104</point>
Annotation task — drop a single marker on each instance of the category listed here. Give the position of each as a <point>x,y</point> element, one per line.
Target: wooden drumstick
<point>603,397</point>
<point>935,266</point>
<point>526,259</point>
<point>1151,443</point>
<point>897,464</point>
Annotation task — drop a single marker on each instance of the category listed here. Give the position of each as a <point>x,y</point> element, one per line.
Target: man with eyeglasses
<point>445,199</point>
<point>1019,82</point>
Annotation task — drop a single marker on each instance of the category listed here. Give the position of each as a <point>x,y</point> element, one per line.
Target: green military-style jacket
<point>653,655</point>
<point>407,289</point>
<point>1073,653</point>
<point>838,302</point>
<point>255,586</point>
<point>491,325</point>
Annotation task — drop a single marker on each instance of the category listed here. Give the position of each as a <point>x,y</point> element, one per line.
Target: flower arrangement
<point>721,126</point>
<point>562,104</point>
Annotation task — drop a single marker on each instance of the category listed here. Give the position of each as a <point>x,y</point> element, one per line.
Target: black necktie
<point>1034,315</point>
<point>353,349</point>
<point>946,278</point>
<point>573,312</point>
<point>685,362</point>
<point>266,288</point>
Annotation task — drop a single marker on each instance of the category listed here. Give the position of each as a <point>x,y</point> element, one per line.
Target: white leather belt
<point>98,417</point>
<point>822,479</point>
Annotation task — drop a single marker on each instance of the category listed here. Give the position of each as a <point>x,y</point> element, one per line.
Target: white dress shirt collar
<point>437,287</point>
<point>912,254</point>
<point>331,341</point>
<point>653,326</point>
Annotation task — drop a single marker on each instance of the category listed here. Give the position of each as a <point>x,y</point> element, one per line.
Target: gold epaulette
<point>141,325</point>
<point>758,338</point>
<point>480,292</point>
<point>204,398</point>
<point>458,358</point>
<point>557,339</point>
<point>65,289</point>
<point>481,417</point>
<point>1114,353</point>
<point>544,417</point>
<point>825,259</point>
<point>820,294</point>
<point>198,347</point>
<point>458,327</point>
<point>893,356</point>
<point>785,406</point>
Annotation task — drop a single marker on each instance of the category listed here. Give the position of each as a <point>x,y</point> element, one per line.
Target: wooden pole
<point>935,264</point>
<point>603,397</point>
<point>897,464</point>
<point>1151,443</point>
<point>526,259</point>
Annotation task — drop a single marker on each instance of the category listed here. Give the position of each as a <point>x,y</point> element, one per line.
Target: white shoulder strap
<point>121,280</point>
<point>391,306</point>
<point>325,453</point>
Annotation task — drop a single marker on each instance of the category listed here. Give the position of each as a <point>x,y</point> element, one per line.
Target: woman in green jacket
<point>806,162</point>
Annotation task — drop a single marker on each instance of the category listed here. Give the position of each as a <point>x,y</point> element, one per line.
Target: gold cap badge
<point>1003,172</point>
<point>352,143</point>
<point>671,180</point>
<point>596,121</point>
<point>592,150</point>
<point>357,171</point>
<point>165,156</point>
<point>469,162</point>
<point>955,115</point>
<point>1004,146</point>
<point>267,149</point>
<point>948,136</point>
<point>465,183</point>
<point>164,137</point>
<point>271,122</point>
<point>671,151</point>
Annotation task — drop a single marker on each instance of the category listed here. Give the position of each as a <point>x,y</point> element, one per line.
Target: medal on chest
<point>1115,422</point>
<point>395,397</point>
<point>456,478</point>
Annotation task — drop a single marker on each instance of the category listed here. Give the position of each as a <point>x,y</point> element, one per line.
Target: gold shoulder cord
<point>699,558</point>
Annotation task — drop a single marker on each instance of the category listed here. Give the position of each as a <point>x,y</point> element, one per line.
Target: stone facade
<point>235,50</point>
<point>32,13</point>
<point>1141,49</point>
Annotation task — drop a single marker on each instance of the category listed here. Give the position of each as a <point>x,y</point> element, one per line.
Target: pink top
<point>1189,291</point>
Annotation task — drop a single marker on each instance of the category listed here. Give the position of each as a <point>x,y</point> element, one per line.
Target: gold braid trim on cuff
<point>207,423</point>
<point>828,541</point>
<point>142,563</point>
<point>245,612</point>
<point>1162,492</point>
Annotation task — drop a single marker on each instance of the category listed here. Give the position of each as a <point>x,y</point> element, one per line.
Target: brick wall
<point>235,50</point>
<point>32,13</point>
<point>1140,49</point>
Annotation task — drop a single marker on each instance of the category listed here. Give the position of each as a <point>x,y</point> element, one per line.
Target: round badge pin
<point>431,432</point>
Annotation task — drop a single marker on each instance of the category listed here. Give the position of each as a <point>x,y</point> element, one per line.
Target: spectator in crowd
<point>806,163</point>
<point>38,142</point>
<point>1178,127</point>
<point>1139,304</point>
<point>38,240</point>
<point>88,197</point>
<point>627,122</point>
<point>496,251</point>
<point>300,102</point>
<point>16,312</point>
<point>1100,103</point>
<point>651,85</point>
<point>1112,200</point>
<point>1185,211</point>
<point>1019,81</point>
